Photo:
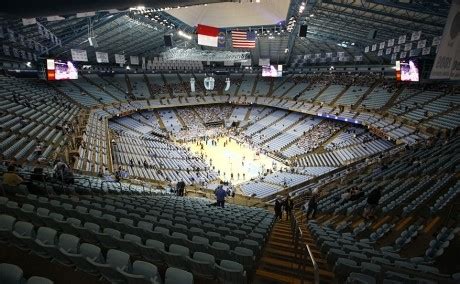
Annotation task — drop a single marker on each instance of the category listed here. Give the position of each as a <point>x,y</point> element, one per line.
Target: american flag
<point>243,39</point>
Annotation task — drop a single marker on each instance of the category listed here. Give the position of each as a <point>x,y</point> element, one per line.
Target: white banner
<point>388,51</point>
<point>79,55</point>
<point>134,60</point>
<point>102,57</point>
<point>402,39</point>
<point>436,40</point>
<point>426,50</point>
<point>408,46</point>
<point>403,54</point>
<point>143,62</point>
<point>358,58</point>
<point>366,49</point>
<point>382,45</point>
<point>421,43</point>
<point>262,62</point>
<point>374,47</point>
<point>28,21</point>
<point>120,58</point>
<point>54,18</point>
<point>6,50</point>
<point>86,14</point>
<point>391,42</point>
<point>397,49</point>
<point>380,53</point>
<point>415,36</point>
<point>413,52</point>
<point>340,54</point>
<point>394,56</point>
<point>328,54</point>
<point>447,62</point>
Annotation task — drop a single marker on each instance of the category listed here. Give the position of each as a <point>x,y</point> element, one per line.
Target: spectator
<point>312,206</point>
<point>278,209</point>
<point>372,202</point>
<point>220,196</point>
<point>288,205</point>
<point>11,178</point>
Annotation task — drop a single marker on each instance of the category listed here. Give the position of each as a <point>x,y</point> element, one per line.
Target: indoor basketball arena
<point>230,141</point>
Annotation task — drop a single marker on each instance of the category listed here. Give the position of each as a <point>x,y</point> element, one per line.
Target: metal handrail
<point>303,252</point>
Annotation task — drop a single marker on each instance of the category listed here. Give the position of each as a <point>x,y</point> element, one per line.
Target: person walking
<point>312,206</point>
<point>278,209</point>
<point>220,196</point>
<point>288,205</point>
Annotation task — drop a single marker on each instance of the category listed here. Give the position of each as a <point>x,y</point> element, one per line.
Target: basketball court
<point>235,157</point>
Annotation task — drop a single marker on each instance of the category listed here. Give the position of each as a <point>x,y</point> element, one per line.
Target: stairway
<point>278,263</point>
<point>364,96</point>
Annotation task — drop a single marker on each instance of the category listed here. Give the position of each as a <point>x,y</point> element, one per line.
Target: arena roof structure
<point>125,27</point>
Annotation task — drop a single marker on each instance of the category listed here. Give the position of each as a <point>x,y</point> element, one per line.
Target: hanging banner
<point>374,47</point>
<point>358,58</point>
<point>366,49</point>
<point>447,62</point>
<point>134,60</point>
<point>263,62</point>
<point>388,51</point>
<point>380,53</point>
<point>421,43</point>
<point>426,50</point>
<point>394,56</point>
<point>328,54</point>
<point>340,54</point>
<point>415,36</point>
<point>28,21</point>
<point>436,40</point>
<point>79,55</point>
<point>120,58</point>
<point>402,39</point>
<point>391,42</point>
<point>408,46</point>
<point>403,54</point>
<point>102,57</point>
<point>397,49</point>
<point>6,50</point>
<point>413,52</point>
<point>382,45</point>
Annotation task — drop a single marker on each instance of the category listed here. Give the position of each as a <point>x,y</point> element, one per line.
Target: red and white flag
<point>208,35</point>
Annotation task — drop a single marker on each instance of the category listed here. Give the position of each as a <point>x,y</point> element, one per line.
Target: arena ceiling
<point>333,25</point>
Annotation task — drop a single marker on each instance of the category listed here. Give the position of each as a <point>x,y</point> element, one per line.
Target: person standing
<point>288,205</point>
<point>278,209</point>
<point>312,206</point>
<point>220,196</point>
<point>372,203</point>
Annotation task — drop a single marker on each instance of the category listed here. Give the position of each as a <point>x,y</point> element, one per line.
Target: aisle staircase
<point>280,262</point>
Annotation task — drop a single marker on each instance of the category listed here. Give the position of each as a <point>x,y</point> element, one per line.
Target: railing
<point>302,252</point>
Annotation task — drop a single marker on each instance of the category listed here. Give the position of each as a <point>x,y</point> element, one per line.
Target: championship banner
<point>340,54</point>
<point>436,40</point>
<point>134,60</point>
<point>262,62</point>
<point>408,46</point>
<point>328,54</point>
<point>413,52</point>
<point>391,42</point>
<point>366,49</point>
<point>397,49</point>
<point>374,47</point>
<point>358,58</point>
<point>388,51</point>
<point>102,57</point>
<point>403,54</point>
<point>120,58</point>
<point>447,62</point>
<point>415,36</point>
<point>28,21</point>
<point>6,50</point>
<point>382,45</point>
<point>79,55</point>
<point>426,50</point>
<point>394,56</point>
<point>421,43</point>
<point>380,53</point>
<point>402,39</point>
